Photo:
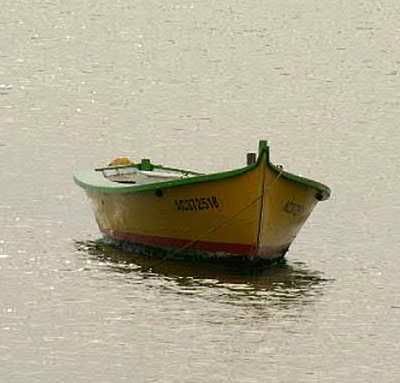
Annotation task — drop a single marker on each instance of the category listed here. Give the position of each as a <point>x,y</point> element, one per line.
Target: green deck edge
<point>95,181</point>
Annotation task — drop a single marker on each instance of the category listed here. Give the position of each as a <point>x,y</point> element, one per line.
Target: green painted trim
<point>95,181</point>
<point>324,191</point>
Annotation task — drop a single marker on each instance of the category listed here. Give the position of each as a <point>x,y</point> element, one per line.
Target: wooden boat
<point>248,214</point>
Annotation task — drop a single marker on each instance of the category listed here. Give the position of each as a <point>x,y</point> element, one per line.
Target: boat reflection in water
<point>282,285</point>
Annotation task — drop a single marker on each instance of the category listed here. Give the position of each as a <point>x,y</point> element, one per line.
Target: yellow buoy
<point>120,161</point>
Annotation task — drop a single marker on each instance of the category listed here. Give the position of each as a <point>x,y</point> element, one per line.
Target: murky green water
<point>196,84</point>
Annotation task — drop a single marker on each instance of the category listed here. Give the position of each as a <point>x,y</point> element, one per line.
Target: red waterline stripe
<point>150,240</point>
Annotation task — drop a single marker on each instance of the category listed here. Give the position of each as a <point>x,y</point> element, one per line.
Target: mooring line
<point>226,221</point>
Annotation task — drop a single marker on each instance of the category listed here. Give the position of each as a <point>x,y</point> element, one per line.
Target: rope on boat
<point>223,223</point>
<point>211,230</point>
<point>216,227</point>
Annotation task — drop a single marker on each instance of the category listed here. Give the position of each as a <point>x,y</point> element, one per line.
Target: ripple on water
<point>280,286</point>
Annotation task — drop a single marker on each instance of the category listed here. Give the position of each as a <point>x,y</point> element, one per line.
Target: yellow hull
<point>253,214</point>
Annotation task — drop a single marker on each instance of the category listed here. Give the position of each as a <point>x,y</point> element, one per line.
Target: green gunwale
<point>94,181</point>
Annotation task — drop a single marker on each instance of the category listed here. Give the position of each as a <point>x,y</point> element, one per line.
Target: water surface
<point>196,85</point>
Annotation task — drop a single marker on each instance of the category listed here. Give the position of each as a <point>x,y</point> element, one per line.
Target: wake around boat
<point>249,214</point>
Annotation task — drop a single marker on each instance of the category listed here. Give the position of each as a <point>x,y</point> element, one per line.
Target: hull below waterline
<point>196,253</point>
<point>181,248</point>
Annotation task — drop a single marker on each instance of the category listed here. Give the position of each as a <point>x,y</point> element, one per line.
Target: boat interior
<point>143,173</point>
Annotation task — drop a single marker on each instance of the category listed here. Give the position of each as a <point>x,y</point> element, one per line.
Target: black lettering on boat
<point>293,208</point>
<point>182,204</point>
<point>188,206</point>
<point>215,202</point>
<point>197,203</point>
<point>203,204</point>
